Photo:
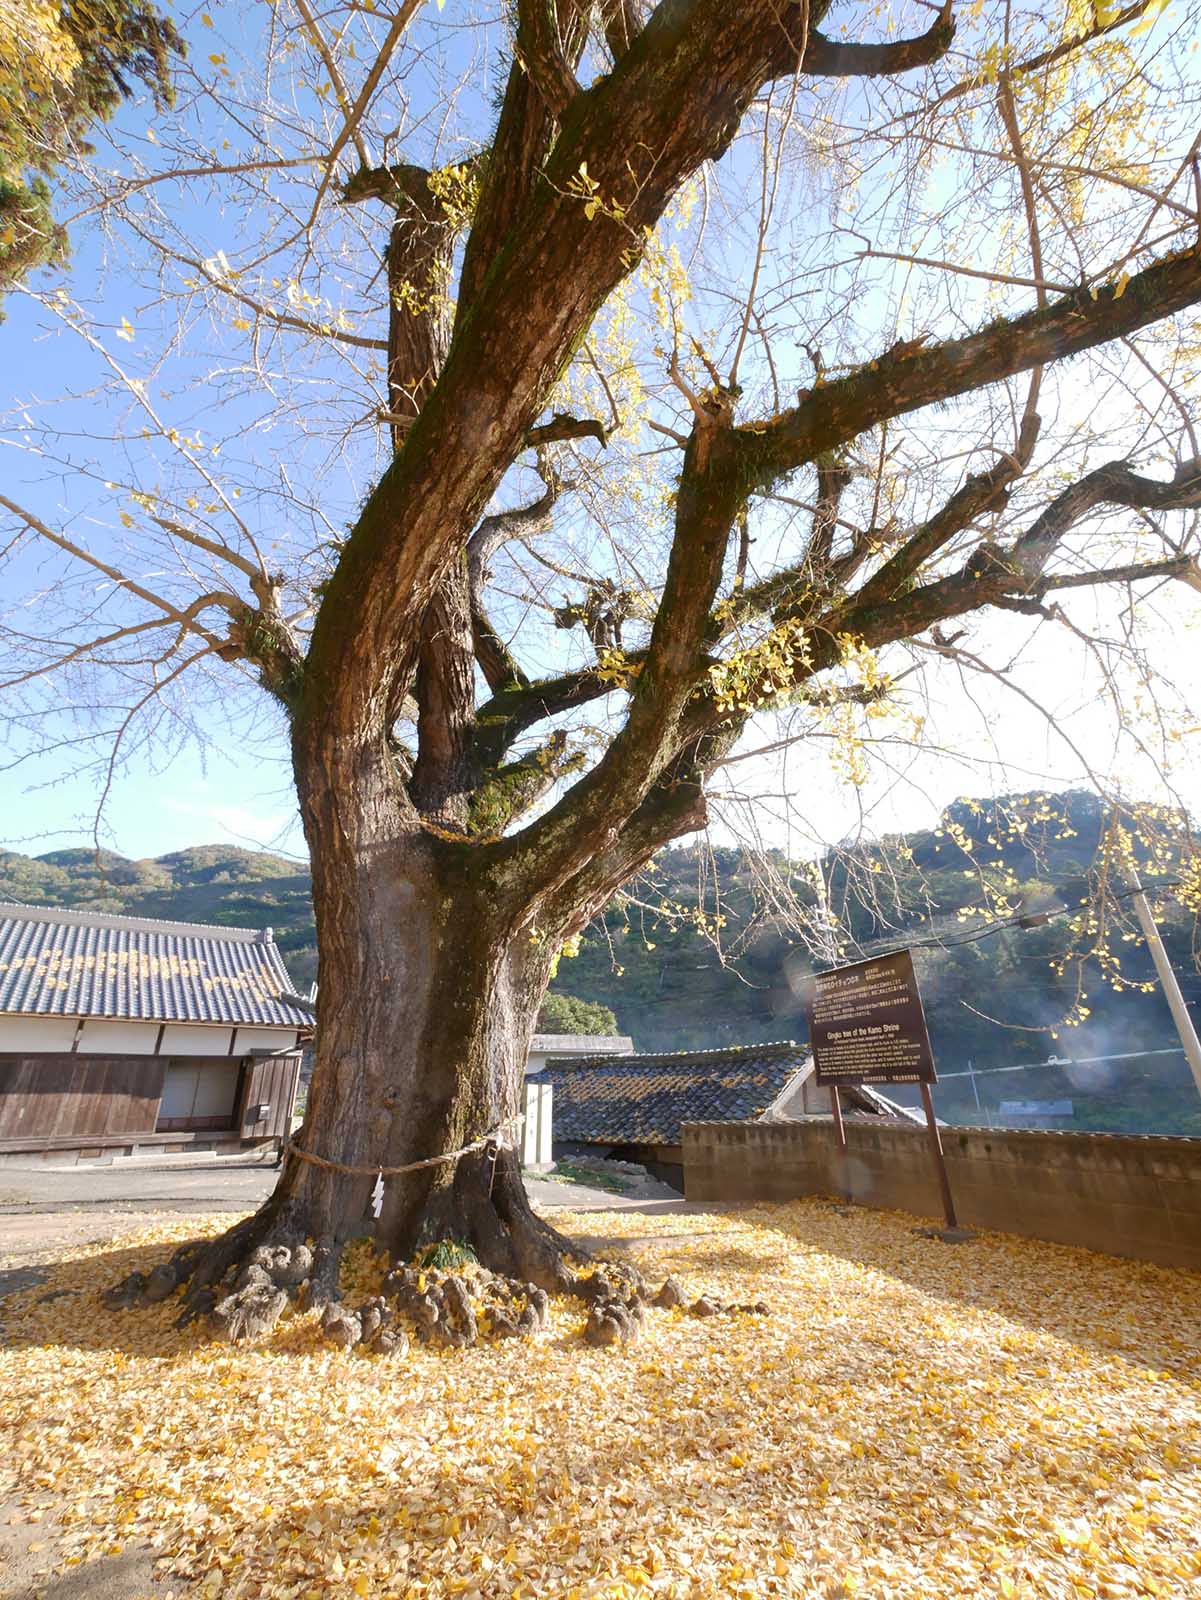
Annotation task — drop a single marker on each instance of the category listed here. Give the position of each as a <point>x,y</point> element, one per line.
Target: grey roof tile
<point>645,1099</point>
<point>85,964</point>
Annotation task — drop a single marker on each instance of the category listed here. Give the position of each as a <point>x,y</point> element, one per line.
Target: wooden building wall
<point>59,1096</point>
<point>65,1097</point>
<point>271,1081</point>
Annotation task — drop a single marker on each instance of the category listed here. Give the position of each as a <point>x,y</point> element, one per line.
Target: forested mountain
<point>713,947</point>
<point>206,883</point>
<point>1015,996</point>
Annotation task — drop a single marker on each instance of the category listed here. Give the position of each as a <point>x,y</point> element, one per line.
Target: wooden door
<point>271,1083</point>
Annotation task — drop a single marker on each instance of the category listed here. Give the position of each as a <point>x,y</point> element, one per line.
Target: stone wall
<point>1121,1194</point>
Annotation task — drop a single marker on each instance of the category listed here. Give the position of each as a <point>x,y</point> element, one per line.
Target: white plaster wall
<point>800,1096</point>
<point>264,1039</point>
<point>190,1091</point>
<point>536,1126</point>
<point>118,1038</point>
<point>38,1035</point>
<point>186,1039</point>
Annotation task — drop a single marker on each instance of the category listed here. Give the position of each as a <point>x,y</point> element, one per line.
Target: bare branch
<point>91,647</point>
<point>352,123</point>
<point>212,547</point>
<point>622,24</point>
<point>400,21</point>
<point>119,579</point>
<point>270,313</point>
<point>986,274</point>
<point>907,378</point>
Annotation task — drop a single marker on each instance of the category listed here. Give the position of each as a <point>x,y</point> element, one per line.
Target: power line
<point>1061,1061</point>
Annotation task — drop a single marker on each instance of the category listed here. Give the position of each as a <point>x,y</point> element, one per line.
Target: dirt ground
<point>28,1550</point>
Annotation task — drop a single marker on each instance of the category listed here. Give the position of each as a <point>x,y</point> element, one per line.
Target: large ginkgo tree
<point>593,381</point>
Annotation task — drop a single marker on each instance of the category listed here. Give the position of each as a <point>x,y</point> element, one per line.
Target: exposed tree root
<point>487,1207</point>
<point>499,1265</point>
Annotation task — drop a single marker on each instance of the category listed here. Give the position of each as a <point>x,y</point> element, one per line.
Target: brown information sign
<point>866,1024</point>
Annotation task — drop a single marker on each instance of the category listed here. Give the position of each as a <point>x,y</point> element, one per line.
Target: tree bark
<point>429,991</point>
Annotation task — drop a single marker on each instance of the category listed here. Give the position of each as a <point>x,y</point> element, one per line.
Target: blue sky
<point>232,782</point>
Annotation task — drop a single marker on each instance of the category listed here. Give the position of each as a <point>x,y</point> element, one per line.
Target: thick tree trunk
<point>425,1016</point>
<point>427,1000</point>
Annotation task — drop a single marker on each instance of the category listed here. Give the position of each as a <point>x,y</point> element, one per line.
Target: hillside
<point>206,883</point>
<point>710,948</point>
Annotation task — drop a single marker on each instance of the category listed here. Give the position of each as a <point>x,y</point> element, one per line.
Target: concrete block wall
<point>1124,1195</point>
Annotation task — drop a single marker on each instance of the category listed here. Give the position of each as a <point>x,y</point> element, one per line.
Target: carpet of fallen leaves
<point>997,1418</point>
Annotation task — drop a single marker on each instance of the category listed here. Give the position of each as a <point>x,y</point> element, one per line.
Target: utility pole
<point>1167,978</point>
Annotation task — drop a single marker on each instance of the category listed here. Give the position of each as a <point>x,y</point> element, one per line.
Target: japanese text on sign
<point>866,1024</point>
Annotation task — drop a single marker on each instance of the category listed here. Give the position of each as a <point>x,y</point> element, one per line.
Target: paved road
<point>225,1185</point>
<point>217,1185</point>
<point>42,1208</point>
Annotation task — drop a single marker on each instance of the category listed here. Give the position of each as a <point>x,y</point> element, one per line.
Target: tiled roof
<point>644,1099</point>
<point>85,964</point>
<point>581,1044</point>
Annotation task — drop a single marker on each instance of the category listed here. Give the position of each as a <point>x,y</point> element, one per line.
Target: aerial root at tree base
<point>242,1289</point>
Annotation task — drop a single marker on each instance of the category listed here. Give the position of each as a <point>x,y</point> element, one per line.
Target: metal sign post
<point>840,1134</point>
<point>940,1160</point>
<point>866,1025</point>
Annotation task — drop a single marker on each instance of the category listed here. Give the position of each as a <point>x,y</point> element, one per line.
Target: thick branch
<point>833,476</point>
<point>562,427</point>
<point>907,378</point>
<point>1116,484</point>
<point>673,101</point>
<point>497,664</point>
<point>984,492</point>
<point>502,795</point>
<point>1183,567</point>
<point>994,576</point>
<point>991,577</point>
<point>418,269</point>
<point>545,52</point>
<point>518,707</point>
<point>673,808</point>
<point>519,148</point>
<point>402,181</point>
<point>444,687</point>
<point>494,659</point>
<point>594,812</point>
<point>497,529</point>
<point>828,58</point>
